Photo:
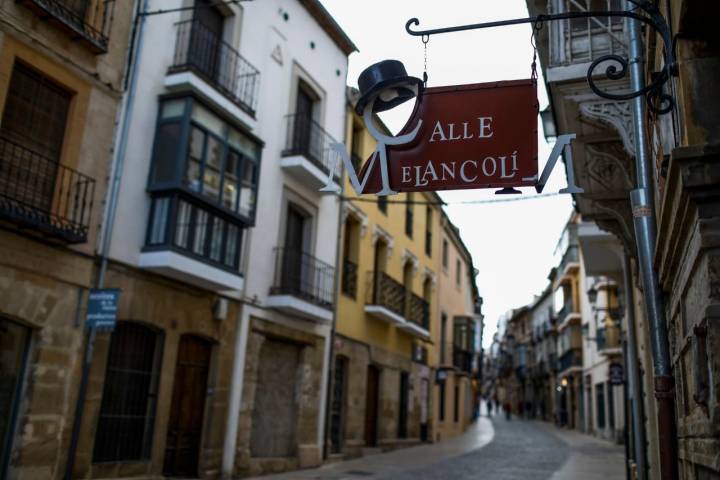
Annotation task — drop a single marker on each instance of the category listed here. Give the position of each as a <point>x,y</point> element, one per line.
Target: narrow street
<point>492,449</point>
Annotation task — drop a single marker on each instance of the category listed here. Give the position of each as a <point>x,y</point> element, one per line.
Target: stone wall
<point>295,356</point>
<point>359,356</point>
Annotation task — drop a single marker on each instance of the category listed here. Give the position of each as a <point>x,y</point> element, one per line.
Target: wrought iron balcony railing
<point>307,138</point>
<point>348,281</point>
<point>571,358</point>
<point>581,40</point>
<point>37,192</point>
<point>202,51</point>
<point>571,256</point>
<point>301,275</point>
<point>418,311</point>
<point>607,338</point>
<point>87,20</point>
<point>462,359</point>
<point>386,292</point>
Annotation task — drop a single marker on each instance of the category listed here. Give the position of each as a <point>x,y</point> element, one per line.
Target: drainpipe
<point>633,374</point>
<point>641,200</point>
<point>118,161</point>
<point>336,296</point>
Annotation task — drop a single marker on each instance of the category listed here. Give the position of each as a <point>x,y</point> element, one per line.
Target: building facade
<point>61,79</point>
<point>386,312</point>
<point>682,146</point>
<point>456,336</point>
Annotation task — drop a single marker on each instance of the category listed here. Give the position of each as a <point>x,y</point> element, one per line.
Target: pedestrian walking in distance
<point>489,404</point>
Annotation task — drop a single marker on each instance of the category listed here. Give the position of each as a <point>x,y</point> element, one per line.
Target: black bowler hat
<point>386,75</point>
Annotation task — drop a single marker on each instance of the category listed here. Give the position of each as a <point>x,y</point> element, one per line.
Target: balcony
<point>608,340</point>
<point>570,263</point>
<point>40,197</point>
<point>307,155</point>
<point>348,281</point>
<point>462,359</point>
<point>567,315</point>
<point>581,40</point>
<point>303,285</point>
<point>385,298</point>
<point>417,316</point>
<point>570,361</point>
<point>200,51</point>
<point>84,20</point>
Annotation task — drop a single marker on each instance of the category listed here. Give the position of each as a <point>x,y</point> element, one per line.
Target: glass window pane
<point>166,152</point>
<point>247,200</point>
<point>159,221</point>
<point>217,238</point>
<point>172,108</point>
<point>182,229</point>
<point>211,176</point>
<point>232,245</point>
<point>230,182</point>
<point>209,120</point>
<point>244,144</point>
<point>195,156</point>
<point>201,226</point>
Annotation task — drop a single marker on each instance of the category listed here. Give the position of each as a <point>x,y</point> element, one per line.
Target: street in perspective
<point>333,240</point>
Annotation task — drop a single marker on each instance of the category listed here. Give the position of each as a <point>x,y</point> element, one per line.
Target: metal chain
<point>537,26</point>
<point>425,39</point>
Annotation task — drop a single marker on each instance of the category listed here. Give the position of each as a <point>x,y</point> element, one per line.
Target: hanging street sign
<point>615,374</point>
<point>468,136</point>
<point>102,309</point>
<point>482,135</point>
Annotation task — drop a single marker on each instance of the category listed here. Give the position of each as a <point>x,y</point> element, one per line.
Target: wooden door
<point>207,47</point>
<point>371,405</point>
<point>337,406</point>
<point>182,449</point>
<point>292,274</point>
<point>303,122</point>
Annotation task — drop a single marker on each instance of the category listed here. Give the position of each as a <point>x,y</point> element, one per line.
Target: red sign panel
<point>472,136</point>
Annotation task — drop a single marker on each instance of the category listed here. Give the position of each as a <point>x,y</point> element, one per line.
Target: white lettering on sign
<point>484,131</point>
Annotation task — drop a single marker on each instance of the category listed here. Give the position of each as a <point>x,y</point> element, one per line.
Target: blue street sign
<point>102,308</point>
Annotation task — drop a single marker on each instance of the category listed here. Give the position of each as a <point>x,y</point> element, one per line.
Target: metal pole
<point>645,231</point>
<point>633,374</point>
<point>131,72</point>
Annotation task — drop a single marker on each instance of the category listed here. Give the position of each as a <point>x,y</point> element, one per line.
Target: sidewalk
<point>477,436</point>
<point>590,458</point>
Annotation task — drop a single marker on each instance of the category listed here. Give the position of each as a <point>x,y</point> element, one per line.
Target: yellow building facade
<point>455,336</point>
<point>386,310</point>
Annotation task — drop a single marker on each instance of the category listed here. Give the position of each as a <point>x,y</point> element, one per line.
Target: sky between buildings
<point>512,243</point>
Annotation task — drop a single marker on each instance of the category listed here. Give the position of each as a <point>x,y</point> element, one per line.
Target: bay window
<point>203,183</point>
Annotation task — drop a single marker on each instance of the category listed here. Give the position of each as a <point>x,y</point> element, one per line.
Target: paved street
<point>490,450</point>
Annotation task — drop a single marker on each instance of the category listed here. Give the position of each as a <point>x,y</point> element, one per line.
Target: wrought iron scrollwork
<point>644,11</point>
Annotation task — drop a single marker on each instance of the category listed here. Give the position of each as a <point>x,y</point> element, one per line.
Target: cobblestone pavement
<point>518,449</point>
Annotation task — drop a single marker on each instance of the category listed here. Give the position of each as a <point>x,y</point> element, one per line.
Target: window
<point>445,259</point>
<point>458,269</point>
<point>182,223</point>
<point>382,204</point>
<point>428,231</point>
<point>214,161</point>
<point>443,338</point>
<point>127,413</point>
<point>409,215</point>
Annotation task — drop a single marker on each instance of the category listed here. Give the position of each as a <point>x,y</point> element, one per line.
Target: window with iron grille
<point>127,412</point>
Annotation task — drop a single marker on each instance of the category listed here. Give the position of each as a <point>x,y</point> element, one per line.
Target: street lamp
<point>548,123</point>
